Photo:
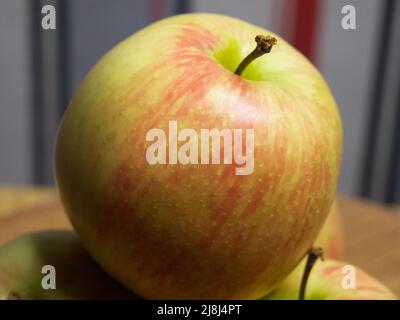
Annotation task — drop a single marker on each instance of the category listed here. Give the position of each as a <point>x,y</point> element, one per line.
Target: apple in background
<point>325,283</point>
<point>197,231</point>
<point>77,275</point>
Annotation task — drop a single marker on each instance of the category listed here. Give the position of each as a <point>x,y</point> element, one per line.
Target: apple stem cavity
<point>264,45</point>
<point>313,255</point>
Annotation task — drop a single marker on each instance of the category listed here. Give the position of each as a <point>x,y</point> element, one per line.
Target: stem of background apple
<point>313,255</point>
<point>264,45</point>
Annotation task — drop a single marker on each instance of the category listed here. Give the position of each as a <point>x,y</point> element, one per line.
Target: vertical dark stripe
<point>393,173</point>
<point>183,6</point>
<point>305,26</point>
<point>156,10</point>
<point>62,14</point>
<point>37,107</point>
<point>286,18</point>
<point>376,97</point>
<point>43,103</point>
<point>396,192</point>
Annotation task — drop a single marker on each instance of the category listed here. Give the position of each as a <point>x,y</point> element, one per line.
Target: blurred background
<point>39,70</point>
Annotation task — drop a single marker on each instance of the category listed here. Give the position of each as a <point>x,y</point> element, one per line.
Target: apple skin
<point>199,231</point>
<point>324,283</point>
<point>78,277</point>
<point>325,278</point>
<point>330,237</point>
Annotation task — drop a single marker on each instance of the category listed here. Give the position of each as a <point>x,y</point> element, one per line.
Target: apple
<point>77,276</point>
<point>330,237</point>
<point>328,281</point>
<point>164,222</point>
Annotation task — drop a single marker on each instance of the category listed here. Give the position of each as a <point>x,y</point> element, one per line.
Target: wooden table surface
<point>371,232</point>
<point>372,239</point>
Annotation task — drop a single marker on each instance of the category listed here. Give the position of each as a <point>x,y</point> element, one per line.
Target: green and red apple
<point>76,275</point>
<point>192,230</point>
<point>329,280</point>
<point>326,278</point>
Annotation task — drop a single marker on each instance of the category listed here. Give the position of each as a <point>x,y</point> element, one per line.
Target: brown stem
<point>313,255</point>
<point>264,45</point>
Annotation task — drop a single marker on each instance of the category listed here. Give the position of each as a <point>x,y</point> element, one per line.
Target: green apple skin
<point>78,277</point>
<point>199,231</point>
<point>330,237</point>
<point>325,283</point>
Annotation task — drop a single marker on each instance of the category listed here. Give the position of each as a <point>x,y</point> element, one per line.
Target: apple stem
<point>313,255</point>
<point>264,45</point>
